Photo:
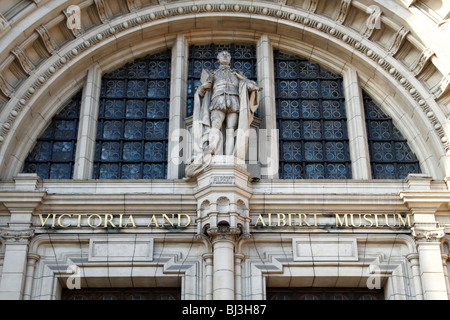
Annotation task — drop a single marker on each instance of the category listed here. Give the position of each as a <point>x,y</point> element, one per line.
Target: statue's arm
<point>204,86</point>
<point>252,85</point>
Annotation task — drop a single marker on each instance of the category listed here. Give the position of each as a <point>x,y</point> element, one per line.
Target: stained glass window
<point>390,155</point>
<point>243,58</point>
<point>132,132</point>
<point>311,120</point>
<point>53,155</point>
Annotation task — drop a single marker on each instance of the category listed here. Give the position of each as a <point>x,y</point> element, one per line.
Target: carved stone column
<point>208,257</point>
<point>31,265</point>
<point>413,259</point>
<point>428,240</point>
<point>238,259</point>
<point>223,239</point>
<point>15,263</point>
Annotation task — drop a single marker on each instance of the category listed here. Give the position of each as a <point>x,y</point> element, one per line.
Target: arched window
<point>311,119</point>
<point>53,155</point>
<point>390,155</point>
<point>132,134</point>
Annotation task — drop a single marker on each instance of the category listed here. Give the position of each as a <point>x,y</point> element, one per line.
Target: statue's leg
<point>232,123</point>
<point>217,118</point>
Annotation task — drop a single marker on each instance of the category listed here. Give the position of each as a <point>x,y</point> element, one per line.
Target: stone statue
<point>224,96</point>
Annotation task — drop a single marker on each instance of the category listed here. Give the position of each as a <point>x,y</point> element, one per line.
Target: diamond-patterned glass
<point>53,155</point>
<point>132,132</point>
<point>311,120</point>
<point>390,155</point>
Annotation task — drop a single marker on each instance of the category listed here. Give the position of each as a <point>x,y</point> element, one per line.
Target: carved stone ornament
<point>101,10</point>
<point>373,21</point>
<point>26,64</point>
<point>132,5</point>
<point>421,61</point>
<point>343,10</point>
<point>441,87</point>
<point>224,232</point>
<point>73,15</point>
<point>49,43</point>
<point>398,40</point>
<point>312,5</point>
<point>12,235</point>
<point>428,235</point>
<point>6,88</point>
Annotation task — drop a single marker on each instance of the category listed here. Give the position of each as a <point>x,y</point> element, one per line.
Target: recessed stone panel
<point>325,249</point>
<point>121,249</point>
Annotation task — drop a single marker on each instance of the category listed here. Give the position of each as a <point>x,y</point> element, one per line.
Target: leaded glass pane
<point>132,130</point>
<point>311,120</point>
<point>390,155</point>
<point>53,155</point>
<point>243,58</point>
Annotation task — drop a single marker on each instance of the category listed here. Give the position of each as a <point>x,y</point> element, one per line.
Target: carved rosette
<point>13,236</point>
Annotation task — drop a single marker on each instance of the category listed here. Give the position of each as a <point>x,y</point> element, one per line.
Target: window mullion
<point>268,137</point>
<point>356,127</point>
<point>178,101</point>
<point>85,151</point>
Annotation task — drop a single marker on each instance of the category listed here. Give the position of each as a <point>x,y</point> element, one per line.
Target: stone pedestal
<point>223,196</point>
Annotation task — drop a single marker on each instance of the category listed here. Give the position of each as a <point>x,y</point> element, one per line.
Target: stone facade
<point>228,234</point>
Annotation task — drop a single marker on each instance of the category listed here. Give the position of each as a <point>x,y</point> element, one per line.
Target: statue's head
<point>224,57</point>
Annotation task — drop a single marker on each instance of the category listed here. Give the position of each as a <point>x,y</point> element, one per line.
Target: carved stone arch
<point>241,207</point>
<point>205,208</point>
<point>223,205</point>
<point>132,35</point>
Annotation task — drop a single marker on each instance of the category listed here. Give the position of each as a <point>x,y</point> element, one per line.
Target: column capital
<point>15,236</point>
<point>223,232</point>
<point>427,234</point>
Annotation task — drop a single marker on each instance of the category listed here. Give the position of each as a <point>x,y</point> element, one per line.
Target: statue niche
<point>225,97</point>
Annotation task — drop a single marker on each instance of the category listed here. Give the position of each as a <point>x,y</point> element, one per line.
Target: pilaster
<point>268,133</point>
<point>21,205</point>
<point>428,234</point>
<point>177,113</point>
